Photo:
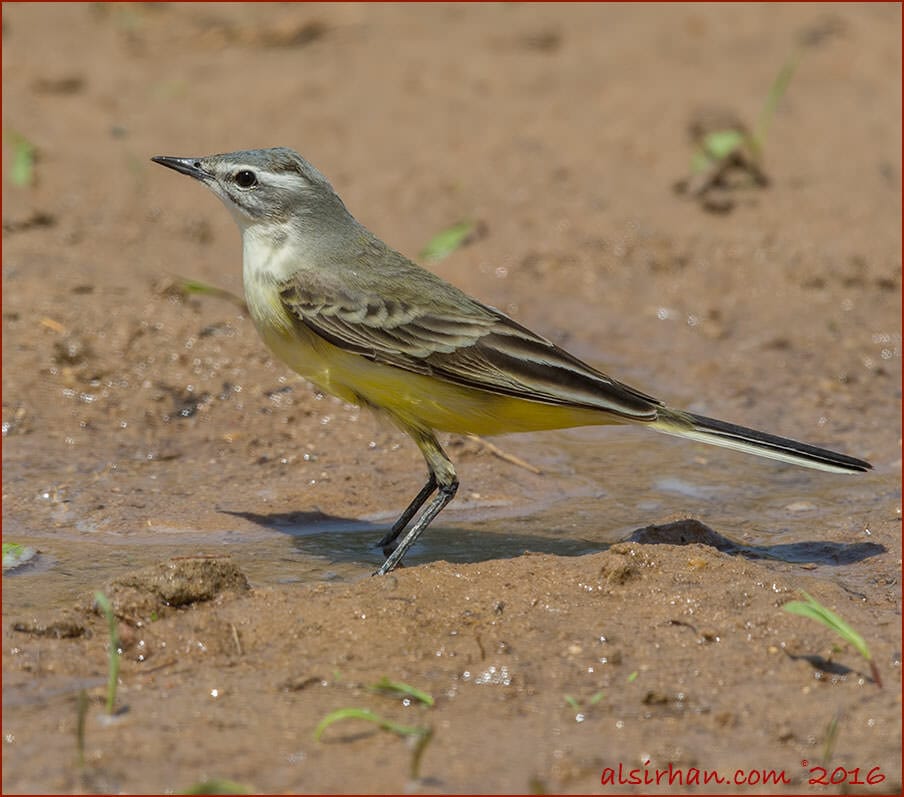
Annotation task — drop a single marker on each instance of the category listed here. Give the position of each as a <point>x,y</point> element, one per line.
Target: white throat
<point>268,250</point>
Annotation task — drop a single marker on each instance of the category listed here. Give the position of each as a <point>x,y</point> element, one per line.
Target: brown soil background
<point>140,425</point>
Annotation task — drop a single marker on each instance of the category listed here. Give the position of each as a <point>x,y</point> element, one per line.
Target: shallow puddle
<point>763,509</point>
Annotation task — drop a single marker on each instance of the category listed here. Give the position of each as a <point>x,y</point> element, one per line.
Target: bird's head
<point>262,185</point>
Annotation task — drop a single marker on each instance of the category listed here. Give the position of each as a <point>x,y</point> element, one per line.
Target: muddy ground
<point>141,424</point>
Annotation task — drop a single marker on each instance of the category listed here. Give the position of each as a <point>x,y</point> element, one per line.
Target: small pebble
<point>800,506</point>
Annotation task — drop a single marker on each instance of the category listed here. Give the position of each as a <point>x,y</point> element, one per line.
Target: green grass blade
<point>397,687</point>
<point>812,608</point>
<point>816,611</point>
<point>446,242</point>
<point>183,286</point>
<point>15,555</point>
<point>81,714</point>
<point>113,668</point>
<point>831,736</point>
<point>368,716</point>
<point>218,786</point>
<point>418,753</point>
<point>776,92</point>
<point>22,168</point>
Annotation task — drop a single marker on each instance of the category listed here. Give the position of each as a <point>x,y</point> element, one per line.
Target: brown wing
<point>466,343</point>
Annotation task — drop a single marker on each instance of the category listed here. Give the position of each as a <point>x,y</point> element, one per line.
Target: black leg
<point>446,494</point>
<point>417,503</point>
<point>442,478</point>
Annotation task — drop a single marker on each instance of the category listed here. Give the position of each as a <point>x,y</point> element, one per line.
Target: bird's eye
<point>245,179</point>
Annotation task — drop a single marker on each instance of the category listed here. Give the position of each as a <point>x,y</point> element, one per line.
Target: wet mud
<point>595,601</point>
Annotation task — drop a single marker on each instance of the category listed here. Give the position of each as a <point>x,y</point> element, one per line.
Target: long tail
<point>720,433</point>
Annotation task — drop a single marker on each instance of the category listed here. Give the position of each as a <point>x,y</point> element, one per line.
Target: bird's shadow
<point>817,552</point>
<point>347,540</point>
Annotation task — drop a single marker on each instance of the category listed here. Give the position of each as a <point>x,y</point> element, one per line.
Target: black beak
<point>189,166</point>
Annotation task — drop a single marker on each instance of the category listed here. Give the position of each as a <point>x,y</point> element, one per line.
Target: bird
<point>363,322</point>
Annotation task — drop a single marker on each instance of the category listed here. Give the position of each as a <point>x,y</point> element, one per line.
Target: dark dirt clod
<point>178,582</point>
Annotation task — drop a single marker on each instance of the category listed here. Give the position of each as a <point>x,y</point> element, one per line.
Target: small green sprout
<point>446,242</point>
<point>397,687</point>
<point>717,146</point>
<point>828,747</point>
<point>218,786</point>
<point>632,677</point>
<point>812,608</point>
<point>81,713</point>
<point>419,735</point>
<point>183,286</point>
<point>578,705</point>
<point>15,555</point>
<point>22,169</point>
<point>113,669</point>
<point>367,715</point>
